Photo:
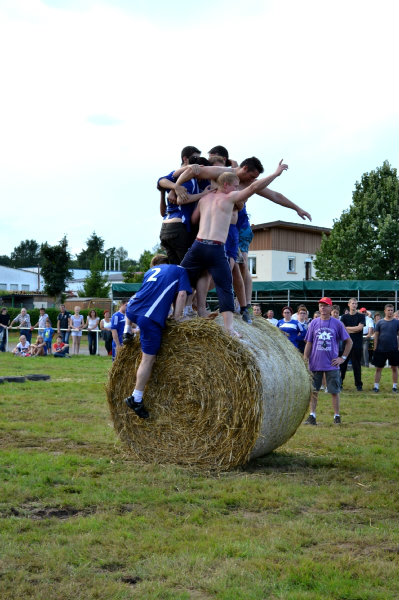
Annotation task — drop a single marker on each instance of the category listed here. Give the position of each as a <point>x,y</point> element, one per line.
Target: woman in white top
<point>105,326</point>
<point>92,327</point>
<point>76,325</point>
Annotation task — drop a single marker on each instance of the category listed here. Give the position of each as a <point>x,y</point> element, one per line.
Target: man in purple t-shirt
<point>322,344</point>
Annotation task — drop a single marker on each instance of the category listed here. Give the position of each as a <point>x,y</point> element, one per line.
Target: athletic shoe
<point>311,420</point>
<point>337,420</point>
<point>359,388</point>
<point>189,312</point>
<point>246,317</point>
<point>138,407</point>
<point>376,390</point>
<point>395,390</point>
<point>127,338</point>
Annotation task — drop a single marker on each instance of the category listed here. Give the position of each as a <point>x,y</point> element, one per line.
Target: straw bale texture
<point>214,401</point>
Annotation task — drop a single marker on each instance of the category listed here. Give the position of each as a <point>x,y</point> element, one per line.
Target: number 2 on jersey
<point>154,274</point>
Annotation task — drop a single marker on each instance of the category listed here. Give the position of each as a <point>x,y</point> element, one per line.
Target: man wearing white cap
<point>322,344</point>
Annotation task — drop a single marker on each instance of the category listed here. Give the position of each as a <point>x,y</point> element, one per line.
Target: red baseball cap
<point>363,309</point>
<point>326,301</point>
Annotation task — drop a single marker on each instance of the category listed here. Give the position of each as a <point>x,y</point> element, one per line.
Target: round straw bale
<point>214,401</point>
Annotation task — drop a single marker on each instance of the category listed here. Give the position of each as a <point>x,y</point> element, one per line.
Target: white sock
<point>394,385</point>
<point>313,414</point>
<point>138,396</point>
<point>377,385</point>
<point>128,328</point>
<point>336,415</point>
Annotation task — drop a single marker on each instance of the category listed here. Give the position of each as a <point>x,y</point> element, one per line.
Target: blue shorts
<point>231,245</point>
<point>150,333</point>
<point>245,237</point>
<point>211,256</point>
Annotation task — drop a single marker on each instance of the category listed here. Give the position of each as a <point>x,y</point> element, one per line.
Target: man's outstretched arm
<point>278,198</point>
<point>257,186</point>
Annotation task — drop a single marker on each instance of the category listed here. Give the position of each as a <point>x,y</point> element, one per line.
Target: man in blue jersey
<point>163,284</point>
<point>117,327</point>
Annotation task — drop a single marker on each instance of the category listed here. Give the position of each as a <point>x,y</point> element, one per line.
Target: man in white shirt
<point>270,317</point>
<point>368,331</point>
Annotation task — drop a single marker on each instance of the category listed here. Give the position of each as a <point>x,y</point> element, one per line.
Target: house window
<point>308,271</point>
<point>291,264</point>
<point>252,264</point>
<point>25,288</point>
<point>14,287</point>
<point>3,286</point>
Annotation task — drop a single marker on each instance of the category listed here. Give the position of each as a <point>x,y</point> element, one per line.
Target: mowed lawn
<point>80,519</point>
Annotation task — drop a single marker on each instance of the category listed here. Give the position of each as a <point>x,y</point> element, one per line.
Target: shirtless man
<point>207,253</point>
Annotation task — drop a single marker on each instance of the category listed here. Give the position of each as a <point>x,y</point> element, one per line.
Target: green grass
<point>317,519</point>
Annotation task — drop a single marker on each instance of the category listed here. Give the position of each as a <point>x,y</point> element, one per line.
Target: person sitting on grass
<point>39,348</point>
<point>22,348</point>
<point>60,348</point>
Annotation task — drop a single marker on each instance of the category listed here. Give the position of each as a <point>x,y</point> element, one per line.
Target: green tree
<point>27,254</point>
<point>55,268</point>
<point>363,243</point>
<point>96,284</point>
<point>5,261</point>
<point>94,250</point>
<point>135,272</point>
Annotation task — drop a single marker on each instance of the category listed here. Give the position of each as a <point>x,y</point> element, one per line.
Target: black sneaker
<point>359,388</point>
<point>311,420</point>
<point>127,338</point>
<point>246,317</point>
<point>395,390</point>
<point>137,407</point>
<point>337,420</point>
<point>376,390</point>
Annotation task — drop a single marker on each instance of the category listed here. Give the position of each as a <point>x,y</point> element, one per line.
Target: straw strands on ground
<point>211,397</point>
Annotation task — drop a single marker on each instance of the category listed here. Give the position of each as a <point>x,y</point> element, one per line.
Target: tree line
<point>56,264</point>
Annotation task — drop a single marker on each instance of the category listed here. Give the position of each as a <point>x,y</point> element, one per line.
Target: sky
<point>100,96</point>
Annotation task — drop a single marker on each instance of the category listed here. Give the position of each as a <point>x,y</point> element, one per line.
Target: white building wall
<point>18,280</point>
<point>273,265</point>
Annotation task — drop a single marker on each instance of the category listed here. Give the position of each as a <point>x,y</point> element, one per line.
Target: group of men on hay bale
<point>206,235</point>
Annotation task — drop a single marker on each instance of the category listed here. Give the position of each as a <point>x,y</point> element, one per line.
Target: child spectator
<point>39,348</point>
<point>48,335</point>
<point>60,348</point>
<point>22,348</point>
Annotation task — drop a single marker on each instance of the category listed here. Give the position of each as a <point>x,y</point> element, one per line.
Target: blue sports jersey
<point>293,328</point>
<point>184,211</point>
<point>158,291</point>
<point>243,220</point>
<point>118,322</point>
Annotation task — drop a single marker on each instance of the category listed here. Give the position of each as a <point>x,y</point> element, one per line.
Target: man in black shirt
<point>4,323</point>
<point>63,323</point>
<point>354,323</point>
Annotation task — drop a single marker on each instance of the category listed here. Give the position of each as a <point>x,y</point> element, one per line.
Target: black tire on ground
<point>38,377</point>
<point>14,379</point>
<point>1,380</point>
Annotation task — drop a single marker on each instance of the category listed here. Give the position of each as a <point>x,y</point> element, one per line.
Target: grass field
<point>80,519</point>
